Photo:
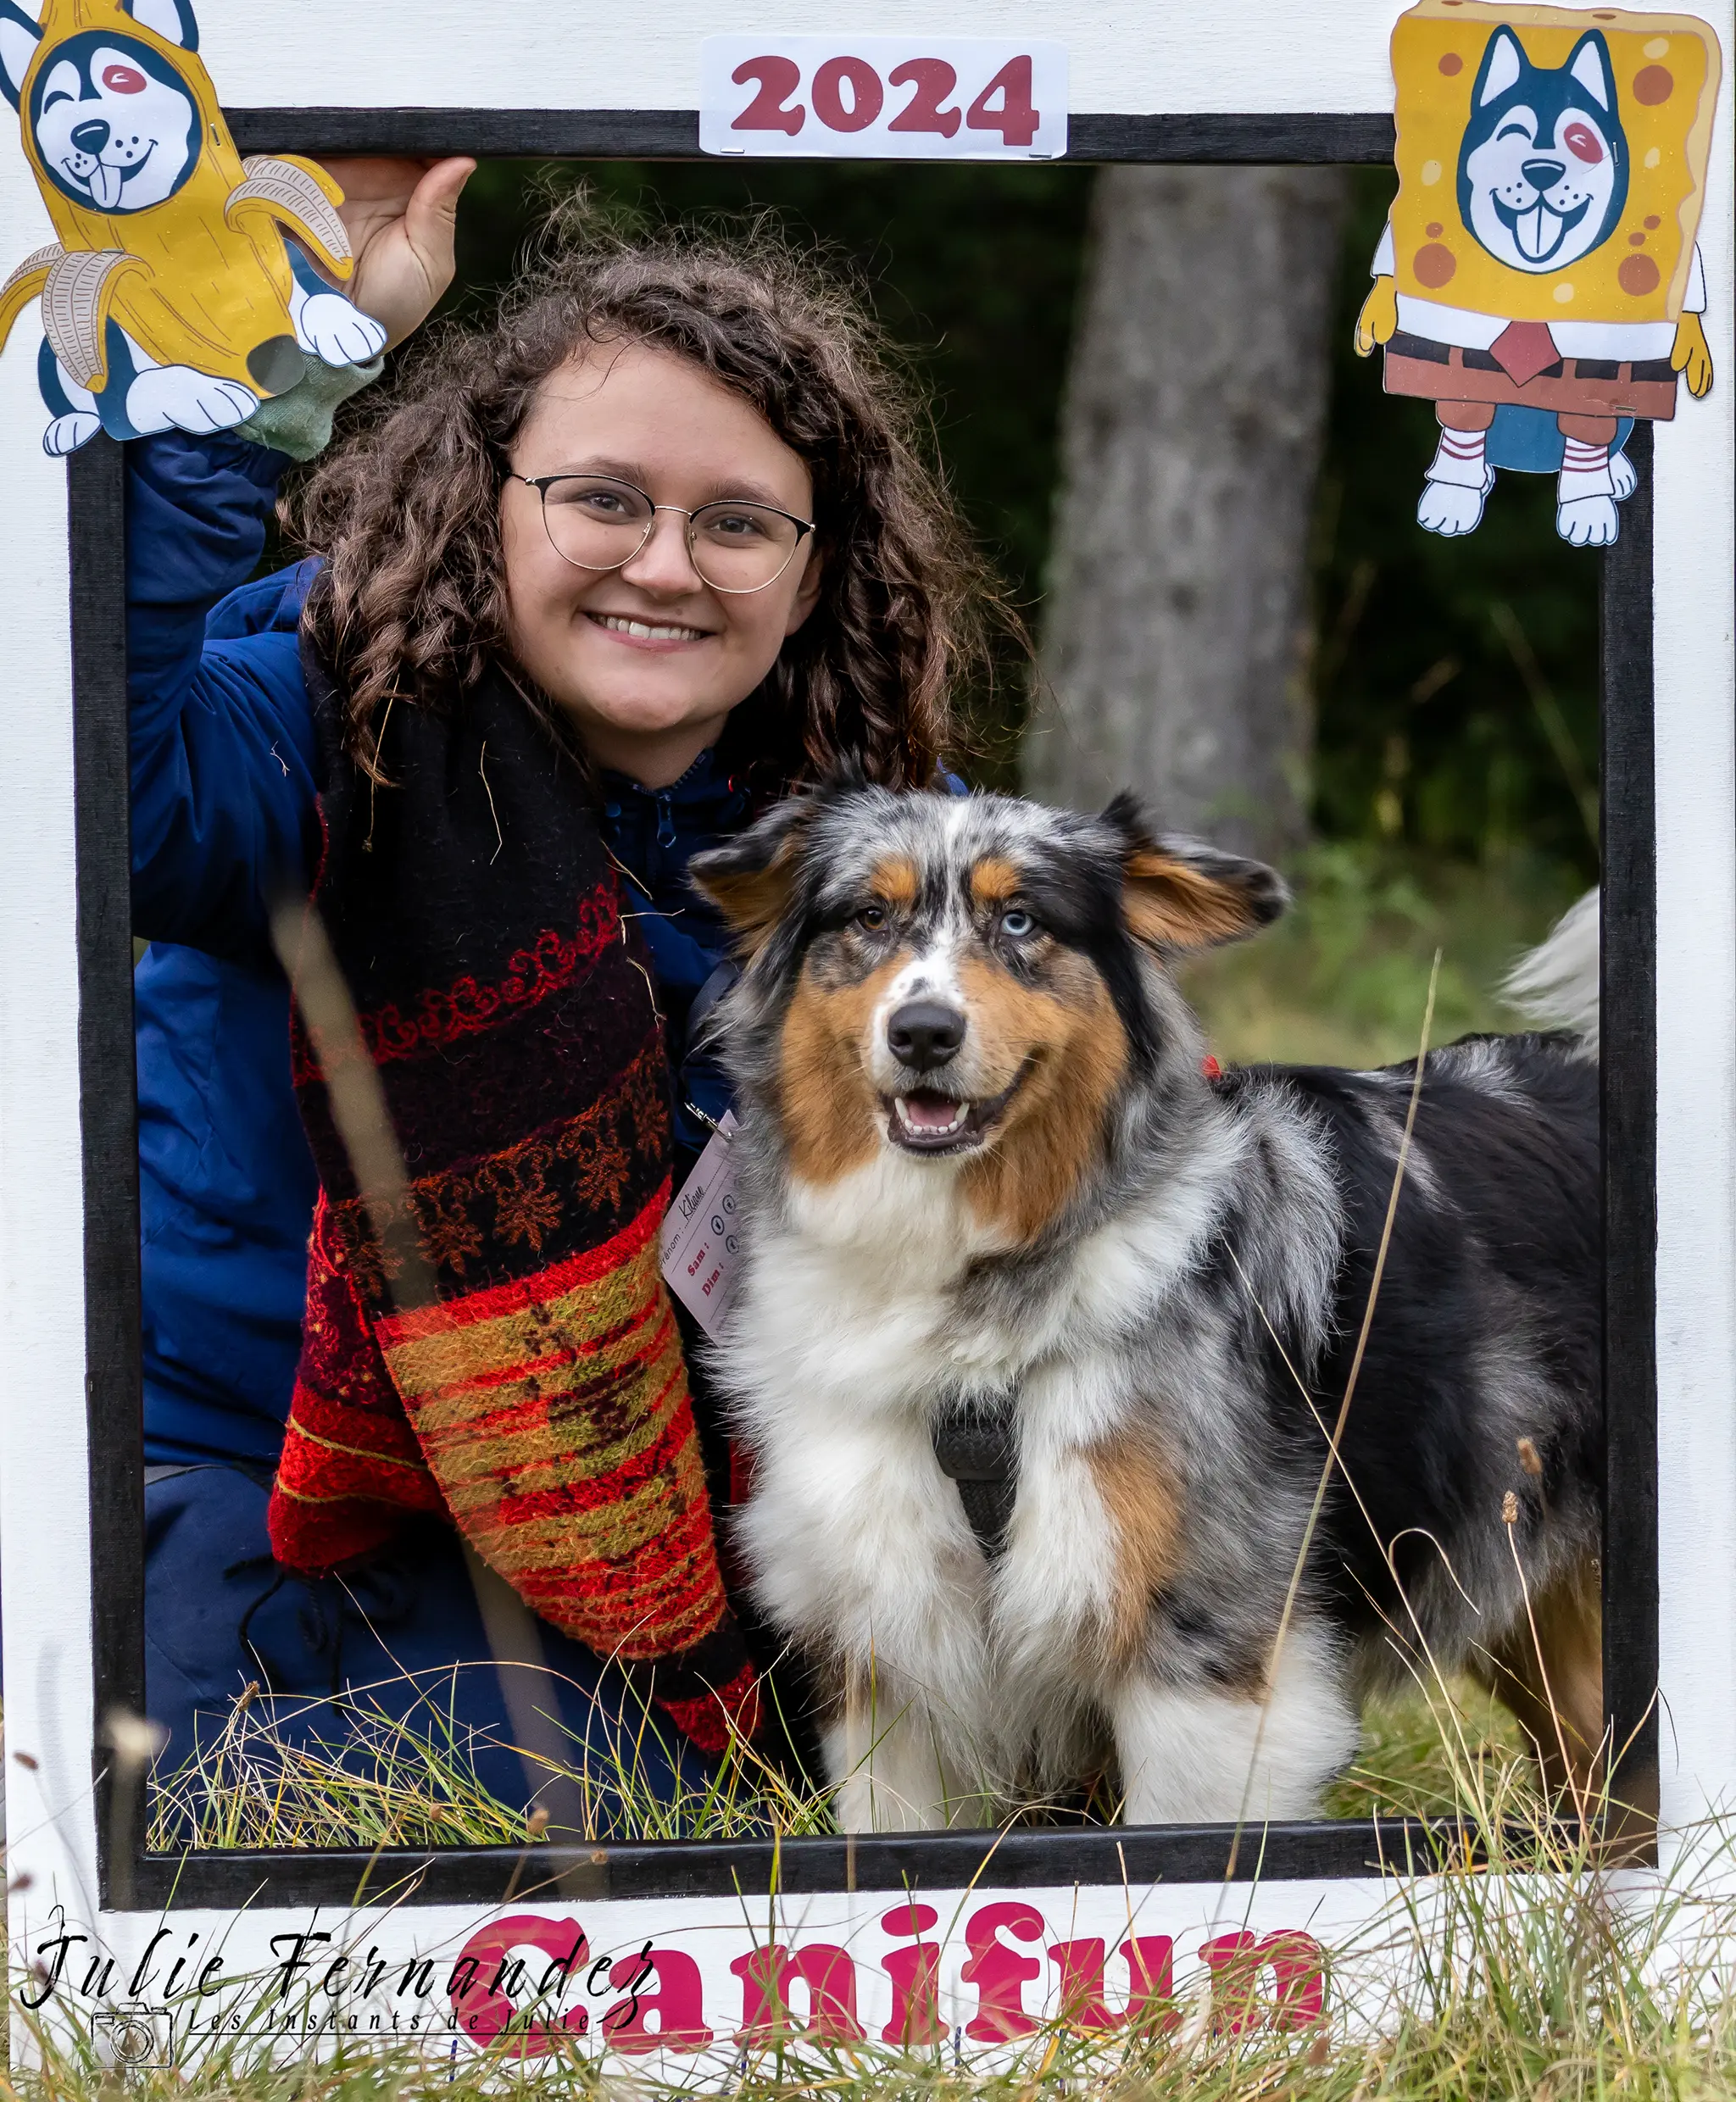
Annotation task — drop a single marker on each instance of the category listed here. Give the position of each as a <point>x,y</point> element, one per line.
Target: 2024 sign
<point>884,98</point>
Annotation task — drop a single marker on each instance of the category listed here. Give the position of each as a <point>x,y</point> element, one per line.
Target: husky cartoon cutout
<point>171,298</point>
<point>1538,279</point>
<point>1543,170</point>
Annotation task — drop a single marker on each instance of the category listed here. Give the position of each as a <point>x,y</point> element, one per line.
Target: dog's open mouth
<point>106,183</point>
<point>927,1121</point>
<point>1539,230</point>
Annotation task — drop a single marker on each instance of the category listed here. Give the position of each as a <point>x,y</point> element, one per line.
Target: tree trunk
<point>1175,645</point>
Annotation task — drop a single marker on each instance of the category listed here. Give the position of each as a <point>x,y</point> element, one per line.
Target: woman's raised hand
<point>401,216</point>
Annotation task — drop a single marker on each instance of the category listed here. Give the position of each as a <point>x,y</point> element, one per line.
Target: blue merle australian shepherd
<point>1045,1324</point>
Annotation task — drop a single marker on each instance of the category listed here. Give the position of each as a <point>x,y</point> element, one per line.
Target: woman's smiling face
<point>647,660</point>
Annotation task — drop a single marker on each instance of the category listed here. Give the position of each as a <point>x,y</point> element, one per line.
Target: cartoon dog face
<point>1543,169</point>
<point>115,126</point>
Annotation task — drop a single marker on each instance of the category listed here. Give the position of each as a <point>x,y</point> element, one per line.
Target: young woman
<point>595,585</point>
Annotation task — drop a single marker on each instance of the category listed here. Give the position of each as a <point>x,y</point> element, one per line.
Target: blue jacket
<point>225,789</point>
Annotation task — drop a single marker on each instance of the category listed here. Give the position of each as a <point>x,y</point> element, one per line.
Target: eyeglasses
<point>598,523</point>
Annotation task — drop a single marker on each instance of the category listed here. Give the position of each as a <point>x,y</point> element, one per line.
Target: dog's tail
<point>1555,985</point>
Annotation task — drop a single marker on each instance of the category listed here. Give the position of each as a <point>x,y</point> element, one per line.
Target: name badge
<point>884,98</point>
<point>701,1249</point>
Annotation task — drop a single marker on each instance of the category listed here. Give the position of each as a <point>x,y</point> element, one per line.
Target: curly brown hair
<point>411,604</point>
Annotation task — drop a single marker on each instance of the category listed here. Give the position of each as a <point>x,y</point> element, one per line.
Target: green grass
<point>1438,1750</point>
<point>386,1781</point>
<point>1441,1750</point>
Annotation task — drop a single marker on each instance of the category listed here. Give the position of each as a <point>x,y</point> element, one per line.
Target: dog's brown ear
<point>750,879</point>
<point>1180,894</point>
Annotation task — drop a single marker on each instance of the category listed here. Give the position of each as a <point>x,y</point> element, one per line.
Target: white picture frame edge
<point>1243,56</point>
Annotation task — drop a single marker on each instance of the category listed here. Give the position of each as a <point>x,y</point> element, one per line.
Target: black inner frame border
<point>130,1879</point>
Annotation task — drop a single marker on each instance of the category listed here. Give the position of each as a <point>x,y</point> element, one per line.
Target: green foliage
<point>1343,979</point>
<point>1456,680</point>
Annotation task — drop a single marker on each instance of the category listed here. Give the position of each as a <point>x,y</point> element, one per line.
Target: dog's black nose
<point>91,138</point>
<point>1543,175</point>
<point>923,1033</point>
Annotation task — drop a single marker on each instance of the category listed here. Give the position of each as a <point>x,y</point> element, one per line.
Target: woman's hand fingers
<point>431,221</point>
<point>376,192</point>
<point>401,216</point>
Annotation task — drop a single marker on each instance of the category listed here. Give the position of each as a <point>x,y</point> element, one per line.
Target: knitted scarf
<point>501,1351</point>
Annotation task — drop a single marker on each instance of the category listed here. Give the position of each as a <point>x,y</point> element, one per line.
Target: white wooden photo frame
<point>104,1936</point>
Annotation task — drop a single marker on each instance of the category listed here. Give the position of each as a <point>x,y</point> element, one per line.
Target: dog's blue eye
<point>1017,924</point>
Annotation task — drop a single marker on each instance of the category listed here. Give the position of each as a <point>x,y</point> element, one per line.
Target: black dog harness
<point>978,1448</point>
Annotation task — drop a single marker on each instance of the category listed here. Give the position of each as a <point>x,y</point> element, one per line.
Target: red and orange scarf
<point>521,1374</point>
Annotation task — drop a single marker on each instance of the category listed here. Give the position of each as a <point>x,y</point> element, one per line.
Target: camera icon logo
<point>135,2039</point>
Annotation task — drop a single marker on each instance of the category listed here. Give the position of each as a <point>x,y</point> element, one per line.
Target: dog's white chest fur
<point>840,1357</point>
<point>836,1357</point>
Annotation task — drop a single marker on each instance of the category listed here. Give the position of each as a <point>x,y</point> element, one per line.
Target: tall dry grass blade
<point>364,1124</point>
<point>1343,1417</point>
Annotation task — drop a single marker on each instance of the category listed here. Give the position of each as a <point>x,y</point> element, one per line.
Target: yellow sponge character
<point>1539,279</point>
<point>1656,101</point>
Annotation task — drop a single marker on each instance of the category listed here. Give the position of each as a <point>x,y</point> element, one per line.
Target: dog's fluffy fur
<point>1167,1273</point>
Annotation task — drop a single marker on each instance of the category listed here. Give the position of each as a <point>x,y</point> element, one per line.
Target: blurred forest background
<point>1446,691</point>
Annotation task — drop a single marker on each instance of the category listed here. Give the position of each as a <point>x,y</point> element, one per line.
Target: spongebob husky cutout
<point>171,298</point>
<point>1538,279</point>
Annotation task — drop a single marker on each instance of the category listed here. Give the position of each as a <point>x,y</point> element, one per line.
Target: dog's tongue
<point>1531,233</point>
<point>105,185</point>
<point>930,1113</point>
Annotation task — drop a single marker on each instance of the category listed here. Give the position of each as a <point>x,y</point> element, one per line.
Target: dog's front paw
<point>67,433</point>
<point>337,332</point>
<point>177,397</point>
<point>1589,521</point>
<point>1624,477</point>
<point>1450,508</point>
<point>853,1803</point>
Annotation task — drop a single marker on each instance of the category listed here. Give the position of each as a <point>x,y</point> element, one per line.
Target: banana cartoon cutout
<point>171,298</point>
